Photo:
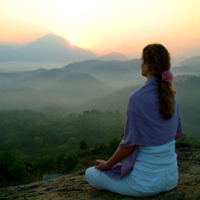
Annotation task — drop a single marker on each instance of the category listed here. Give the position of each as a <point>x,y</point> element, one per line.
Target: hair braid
<point>158,59</point>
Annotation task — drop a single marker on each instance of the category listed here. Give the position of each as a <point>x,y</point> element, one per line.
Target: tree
<point>83,145</point>
<point>60,159</point>
<point>100,149</point>
<point>43,163</point>
<point>70,162</point>
<point>65,148</point>
<point>13,171</point>
<point>74,143</point>
<point>113,145</point>
<point>38,142</point>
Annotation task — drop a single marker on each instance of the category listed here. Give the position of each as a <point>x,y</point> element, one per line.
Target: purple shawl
<point>145,126</point>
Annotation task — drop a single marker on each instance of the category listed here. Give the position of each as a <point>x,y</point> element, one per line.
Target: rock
<point>74,186</point>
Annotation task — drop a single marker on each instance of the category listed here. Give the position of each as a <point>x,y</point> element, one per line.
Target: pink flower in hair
<point>167,76</point>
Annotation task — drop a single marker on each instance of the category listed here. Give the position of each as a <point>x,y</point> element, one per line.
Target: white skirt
<point>150,175</point>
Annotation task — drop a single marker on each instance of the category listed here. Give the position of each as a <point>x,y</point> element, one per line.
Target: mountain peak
<point>51,38</point>
<point>113,56</point>
<point>49,48</point>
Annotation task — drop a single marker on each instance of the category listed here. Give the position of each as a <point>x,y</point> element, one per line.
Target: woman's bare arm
<point>119,155</point>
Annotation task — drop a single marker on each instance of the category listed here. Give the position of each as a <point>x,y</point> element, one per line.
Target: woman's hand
<point>119,155</point>
<point>100,164</point>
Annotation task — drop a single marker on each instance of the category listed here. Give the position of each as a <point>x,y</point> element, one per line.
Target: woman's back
<point>156,158</point>
<point>155,170</point>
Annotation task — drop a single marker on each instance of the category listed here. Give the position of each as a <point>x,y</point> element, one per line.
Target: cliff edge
<point>74,186</point>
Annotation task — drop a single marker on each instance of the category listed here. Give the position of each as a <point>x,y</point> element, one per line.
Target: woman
<point>148,147</point>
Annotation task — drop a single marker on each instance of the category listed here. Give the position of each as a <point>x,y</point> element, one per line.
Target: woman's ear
<point>146,66</point>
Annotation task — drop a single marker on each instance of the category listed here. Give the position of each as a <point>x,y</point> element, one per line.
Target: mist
<point>13,66</point>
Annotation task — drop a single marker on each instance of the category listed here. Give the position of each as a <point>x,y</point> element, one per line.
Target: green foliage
<point>38,142</point>
<point>55,143</point>
<point>83,145</point>
<point>60,158</point>
<point>63,148</point>
<point>38,134</point>
<point>43,163</point>
<point>59,144</point>
<point>188,141</point>
<point>71,162</point>
<point>113,145</point>
<point>100,149</point>
<point>74,142</point>
<point>13,171</point>
<point>67,163</point>
<point>78,166</point>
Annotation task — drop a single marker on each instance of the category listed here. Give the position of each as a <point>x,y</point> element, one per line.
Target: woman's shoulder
<point>149,88</point>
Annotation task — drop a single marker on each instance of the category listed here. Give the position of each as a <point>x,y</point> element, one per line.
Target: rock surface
<point>74,186</point>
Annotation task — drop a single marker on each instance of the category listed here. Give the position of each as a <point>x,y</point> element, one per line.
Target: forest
<point>47,142</point>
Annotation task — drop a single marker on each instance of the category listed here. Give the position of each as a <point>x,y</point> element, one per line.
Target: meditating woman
<point>152,126</point>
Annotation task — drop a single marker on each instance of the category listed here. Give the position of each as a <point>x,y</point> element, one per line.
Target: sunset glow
<point>72,43</point>
<point>102,24</point>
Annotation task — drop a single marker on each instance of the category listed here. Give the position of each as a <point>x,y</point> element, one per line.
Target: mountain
<point>48,79</point>
<point>192,61</point>
<point>129,50</point>
<point>48,89</point>
<point>113,56</point>
<point>49,48</point>
<point>6,53</point>
<point>190,66</point>
<point>116,100</point>
<point>192,69</point>
<point>68,87</point>
<point>117,74</point>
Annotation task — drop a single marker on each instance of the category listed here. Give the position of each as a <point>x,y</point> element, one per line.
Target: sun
<point>72,43</point>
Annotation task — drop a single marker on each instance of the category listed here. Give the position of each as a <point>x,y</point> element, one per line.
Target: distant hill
<point>192,69</point>
<point>55,89</point>
<point>188,66</point>
<point>113,56</point>
<point>192,61</point>
<point>117,100</point>
<point>49,48</point>
<point>120,74</point>
<point>46,79</point>
<point>117,74</point>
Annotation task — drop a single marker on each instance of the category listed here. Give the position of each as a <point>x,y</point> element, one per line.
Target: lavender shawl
<point>145,126</point>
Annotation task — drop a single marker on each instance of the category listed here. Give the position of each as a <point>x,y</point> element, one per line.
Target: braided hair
<point>158,59</point>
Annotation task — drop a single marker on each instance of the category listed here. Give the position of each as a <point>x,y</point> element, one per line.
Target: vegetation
<point>54,143</point>
<point>34,143</point>
<point>13,170</point>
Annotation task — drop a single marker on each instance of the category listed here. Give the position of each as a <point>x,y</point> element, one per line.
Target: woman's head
<point>157,58</point>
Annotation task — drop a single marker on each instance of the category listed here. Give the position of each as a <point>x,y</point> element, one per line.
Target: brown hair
<point>158,59</point>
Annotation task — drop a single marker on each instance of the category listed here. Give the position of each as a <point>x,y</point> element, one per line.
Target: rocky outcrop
<point>74,186</point>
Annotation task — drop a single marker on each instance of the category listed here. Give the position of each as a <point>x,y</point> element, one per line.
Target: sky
<point>122,25</point>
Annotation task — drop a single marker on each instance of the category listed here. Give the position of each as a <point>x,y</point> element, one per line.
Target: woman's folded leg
<point>99,180</point>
